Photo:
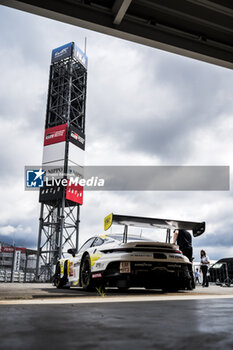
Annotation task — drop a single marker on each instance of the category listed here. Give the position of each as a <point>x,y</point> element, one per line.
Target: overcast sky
<point>144,107</point>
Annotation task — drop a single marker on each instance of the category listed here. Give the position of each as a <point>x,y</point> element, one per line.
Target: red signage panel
<point>55,134</point>
<point>7,249</point>
<point>11,249</point>
<point>74,193</point>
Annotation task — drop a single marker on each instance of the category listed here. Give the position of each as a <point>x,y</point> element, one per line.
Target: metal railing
<point>20,277</point>
<point>221,276</point>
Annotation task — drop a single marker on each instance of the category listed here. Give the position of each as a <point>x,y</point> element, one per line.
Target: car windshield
<point>217,266</point>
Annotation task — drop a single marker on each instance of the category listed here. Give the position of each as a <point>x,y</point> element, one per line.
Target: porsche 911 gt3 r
<point>124,261</point>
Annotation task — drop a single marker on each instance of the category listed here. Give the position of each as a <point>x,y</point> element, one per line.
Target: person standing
<point>204,268</point>
<point>197,277</point>
<point>184,240</point>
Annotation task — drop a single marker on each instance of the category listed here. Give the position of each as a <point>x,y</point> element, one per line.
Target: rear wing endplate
<point>197,228</point>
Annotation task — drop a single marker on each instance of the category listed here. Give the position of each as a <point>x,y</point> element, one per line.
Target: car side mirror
<point>71,251</point>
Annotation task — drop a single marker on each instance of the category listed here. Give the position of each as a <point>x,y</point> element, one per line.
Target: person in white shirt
<point>204,268</point>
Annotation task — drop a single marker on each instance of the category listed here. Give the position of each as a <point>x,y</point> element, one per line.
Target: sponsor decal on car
<point>100,266</point>
<point>71,268</point>
<point>174,265</point>
<point>62,267</point>
<point>148,255</point>
<point>175,256</point>
<point>97,275</point>
<point>143,264</point>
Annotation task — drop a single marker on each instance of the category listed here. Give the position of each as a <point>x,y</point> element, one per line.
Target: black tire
<point>170,289</point>
<point>227,282</point>
<point>149,287</point>
<point>123,289</point>
<point>189,285</point>
<point>85,274</point>
<point>193,282</point>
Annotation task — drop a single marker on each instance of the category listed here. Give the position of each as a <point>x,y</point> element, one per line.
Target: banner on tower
<point>62,52</point>
<point>69,50</point>
<point>55,134</point>
<point>74,193</point>
<point>80,56</point>
<point>77,137</point>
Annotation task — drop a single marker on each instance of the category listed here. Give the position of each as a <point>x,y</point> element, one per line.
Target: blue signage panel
<point>80,56</point>
<point>62,52</point>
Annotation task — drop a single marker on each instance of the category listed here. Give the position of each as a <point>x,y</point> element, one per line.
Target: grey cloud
<point>217,239</point>
<point>200,104</point>
<point>19,241</point>
<point>22,236</point>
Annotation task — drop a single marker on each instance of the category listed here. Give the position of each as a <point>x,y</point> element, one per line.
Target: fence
<point>220,274</point>
<point>7,276</point>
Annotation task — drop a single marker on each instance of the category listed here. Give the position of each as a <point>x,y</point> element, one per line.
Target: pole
<point>39,242</point>
<point>13,267</point>
<point>57,242</point>
<point>125,234</point>
<point>77,228</point>
<point>85,46</point>
<point>65,162</point>
<point>25,267</point>
<point>62,221</point>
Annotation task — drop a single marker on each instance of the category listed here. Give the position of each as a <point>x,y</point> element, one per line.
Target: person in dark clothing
<point>184,240</point>
<point>204,268</point>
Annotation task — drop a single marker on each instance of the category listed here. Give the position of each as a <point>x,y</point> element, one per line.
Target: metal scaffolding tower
<point>59,213</point>
<point>67,94</point>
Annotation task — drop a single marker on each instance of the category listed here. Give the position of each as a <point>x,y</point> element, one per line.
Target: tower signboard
<point>64,147</point>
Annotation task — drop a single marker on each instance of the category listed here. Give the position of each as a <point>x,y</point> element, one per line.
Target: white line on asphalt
<point>125,299</point>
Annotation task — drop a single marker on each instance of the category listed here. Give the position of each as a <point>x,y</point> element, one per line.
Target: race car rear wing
<point>197,228</point>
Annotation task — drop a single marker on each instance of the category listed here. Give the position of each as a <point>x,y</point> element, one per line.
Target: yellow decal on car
<point>94,258</point>
<point>103,236</point>
<point>62,267</point>
<point>107,222</point>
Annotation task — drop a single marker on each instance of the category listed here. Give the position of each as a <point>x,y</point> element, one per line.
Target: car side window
<point>87,244</point>
<point>98,241</point>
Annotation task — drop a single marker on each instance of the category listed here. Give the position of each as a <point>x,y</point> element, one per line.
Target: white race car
<point>124,261</point>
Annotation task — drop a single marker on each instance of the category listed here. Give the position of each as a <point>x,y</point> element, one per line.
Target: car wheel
<point>149,287</point>
<point>227,282</point>
<point>123,289</point>
<point>85,274</point>
<point>193,282</point>
<point>189,285</point>
<point>170,289</point>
